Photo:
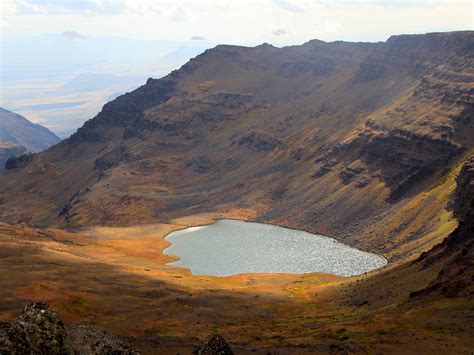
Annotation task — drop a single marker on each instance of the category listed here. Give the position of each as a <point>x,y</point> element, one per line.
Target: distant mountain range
<point>19,136</point>
<point>77,74</point>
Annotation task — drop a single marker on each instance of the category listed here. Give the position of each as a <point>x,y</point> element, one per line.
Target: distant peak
<point>266,45</point>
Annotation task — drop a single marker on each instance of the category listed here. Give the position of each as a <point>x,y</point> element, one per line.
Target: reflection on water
<point>230,247</point>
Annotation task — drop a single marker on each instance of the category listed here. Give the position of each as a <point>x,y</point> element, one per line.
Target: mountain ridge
<point>367,124</point>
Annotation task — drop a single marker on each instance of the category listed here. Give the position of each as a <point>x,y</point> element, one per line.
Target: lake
<point>230,247</point>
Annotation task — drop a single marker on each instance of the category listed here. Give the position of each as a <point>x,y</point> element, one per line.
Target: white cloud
<point>72,35</point>
<point>8,7</point>
<point>180,14</point>
<point>291,6</point>
<point>332,26</point>
<point>237,21</point>
<point>279,32</point>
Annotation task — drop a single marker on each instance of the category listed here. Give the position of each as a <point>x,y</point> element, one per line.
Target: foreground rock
<point>216,345</point>
<point>86,340</point>
<point>39,330</point>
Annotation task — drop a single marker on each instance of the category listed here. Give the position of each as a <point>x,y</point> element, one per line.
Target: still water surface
<point>230,247</point>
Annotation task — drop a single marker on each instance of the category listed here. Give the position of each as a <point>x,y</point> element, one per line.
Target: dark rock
<point>344,348</point>
<point>349,174</point>
<point>113,158</point>
<point>18,162</point>
<point>9,151</point>
<point>229,100</point>
<point>86,340</point>
<point>401,158</point>
<point>298,154</point>
<point>13,338</point>
<point>323,170</point>
<point>86,133</point>
<point>290,69</point>
<point>369,72</point>
<point>37,331</point>
<point>464,196</point>
<point>40,331</point>
<point>259,142</point>
<point>216,345</point>
<point>201,165</point>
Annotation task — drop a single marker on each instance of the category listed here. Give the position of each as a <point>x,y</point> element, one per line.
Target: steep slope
<point>331,137</point>
<point>18,130</point>
<point>435,290</point>
<point>8,150</point>
<point>456,252</point>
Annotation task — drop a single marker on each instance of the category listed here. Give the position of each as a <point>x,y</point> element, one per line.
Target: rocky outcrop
<point>18,162</point>
<point>216,345</point>
<point>457,250</point>
<point>464,197</point>
<point>113,158</point>
<point>400,158</point>
<point>39,330</point>
<point>201,165</point>
<point>291,69</point>
<point>86,340</point>
<point>259,142</point>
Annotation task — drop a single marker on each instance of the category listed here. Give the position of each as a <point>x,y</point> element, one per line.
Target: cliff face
<point>330,137</point>
<point>456,252</point>
<point>464,199</point>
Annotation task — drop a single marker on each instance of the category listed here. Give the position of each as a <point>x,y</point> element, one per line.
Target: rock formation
<point>39,330</point>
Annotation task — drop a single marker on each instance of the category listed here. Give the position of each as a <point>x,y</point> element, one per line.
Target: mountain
<point>371,143</point>
<point>18,130</point>
<point>339,138</point>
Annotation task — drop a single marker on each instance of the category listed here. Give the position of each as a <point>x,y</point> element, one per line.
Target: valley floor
<point>116,279</point>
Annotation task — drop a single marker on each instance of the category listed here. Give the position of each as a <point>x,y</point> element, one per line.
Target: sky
<point>279,22</point>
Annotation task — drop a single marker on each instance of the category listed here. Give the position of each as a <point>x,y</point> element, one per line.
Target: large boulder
<point>39,330</point>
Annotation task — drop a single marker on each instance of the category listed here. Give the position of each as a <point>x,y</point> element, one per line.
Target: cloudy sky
<point>280,22</point>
